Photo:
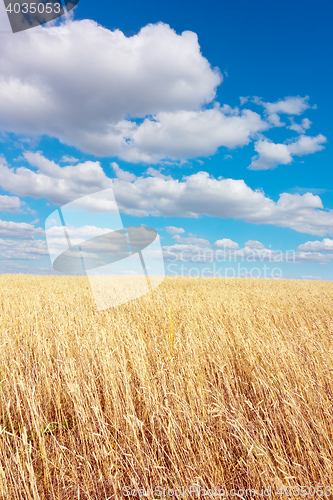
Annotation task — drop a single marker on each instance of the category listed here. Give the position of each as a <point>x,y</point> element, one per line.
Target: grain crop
<point>220,383</point>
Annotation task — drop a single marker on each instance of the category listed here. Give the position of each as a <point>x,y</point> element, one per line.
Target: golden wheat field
<point>218,383</point>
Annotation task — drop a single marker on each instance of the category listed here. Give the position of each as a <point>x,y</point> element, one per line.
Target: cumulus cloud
<point>191,240</point>
<point>157,173</point>
<point>175,230</point>
<point>288,105</point>
<point>326,245</point>
<point>194,196</point>
<point>34,247</point>
<point>10,204</point>
<point>81,83</point>
<point>189,134</point>
<point>191,252</point>
<point>226,243</point>
<point>69,159</point>
<point>141,98</point>
<point>19,230</point>
<point>243,100</point>
<point>300,128</point>
<point>200,194</point>
<point>254,244</point>
<point>20,254</point>
<point>314,257</point>
<point>270,155</point>
<point>77,232</point>
<point>59,185</point>
<point>122,174</point>
<point>305,145</point>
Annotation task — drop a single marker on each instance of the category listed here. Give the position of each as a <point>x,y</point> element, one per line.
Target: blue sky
<point>212,123</point>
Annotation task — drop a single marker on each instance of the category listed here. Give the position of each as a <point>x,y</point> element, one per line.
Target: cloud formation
<point>299,128</point>
<point>226,243</point>
<point>288,105</point>
<point>194,196</point>
<point>19,230</point>
<point>326,245</point>
<point>191,240</point>
<point>175,230</point>
<point>190,134</point>
<point>146,98</point>
<point>10,204</point>
<point>22,250</point>
<point>254,244</point>
<point>80,82</point>
<point>295,105</point>
<point>59,185</point>
<point>271,155</point>
<point>192,252</point>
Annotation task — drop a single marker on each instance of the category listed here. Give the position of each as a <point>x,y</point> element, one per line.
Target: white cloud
<point>270,155</point>
<point>314,257</point>
<point>243,100</point>
<point>18,254</point>
<point>19,230</point>
<point>122,174</point>
<point>79,82</point>
<point>274,120</point>
<point>288,105</point>
<point>254,244</point>
<point>59,185</point>
<point>300,128</point>
<point>76,232</point>
<point>10,204</point>
<point>191,252</point>
<point>306,145</point>
<point>22,250</point>
<point>193,196</point>
<point>157,173</point>
<point>69,159</point>
<point>175,230</point>
<point>200,194</point>
<point>326,245</point>
<point>191,240</point>
<point>226,243</point>
<point>141,98</point>
<point>188,134</point>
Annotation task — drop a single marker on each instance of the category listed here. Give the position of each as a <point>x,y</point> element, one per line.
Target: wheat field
<point>213,382</point>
